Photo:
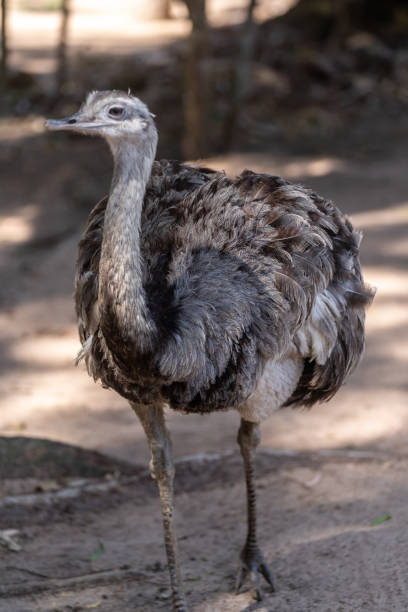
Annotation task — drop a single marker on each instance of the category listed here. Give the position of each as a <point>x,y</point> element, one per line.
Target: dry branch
<point>4,50</point>
<point>81,581</point>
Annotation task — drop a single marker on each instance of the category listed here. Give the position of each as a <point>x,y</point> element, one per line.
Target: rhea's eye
<point>115,111</point>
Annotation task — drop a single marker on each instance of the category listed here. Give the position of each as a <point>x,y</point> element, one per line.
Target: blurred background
<point>314,90</point>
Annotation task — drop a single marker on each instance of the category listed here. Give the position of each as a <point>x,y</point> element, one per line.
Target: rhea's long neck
<point>124,313</point>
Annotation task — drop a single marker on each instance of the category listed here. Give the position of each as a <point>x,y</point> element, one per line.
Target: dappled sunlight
<point>325,533</point>
<point>66,405</point>
<point>353,418</point>
<point>387,317</point>
<point>51,315</point>
<point>14,129</point>
<point>389,308</point>
<point>290,168</point>
<point>400,248</point>
<point>399,352</point>
<point>39,30</point>
<point>35,35</point>
<point>127,26</point>
<point>315,167</point>
<point>19,228</point>
<point>228,12</point>
<point>393,215</point>
<point>389,283</point>
<point>46,351</point>
<point>15,229</point>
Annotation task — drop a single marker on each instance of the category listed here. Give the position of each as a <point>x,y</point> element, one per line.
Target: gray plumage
<point>232,270</point>
<point>190,285</point>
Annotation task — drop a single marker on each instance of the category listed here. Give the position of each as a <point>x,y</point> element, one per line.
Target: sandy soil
<point>103,548</point>
<point>316,524</point>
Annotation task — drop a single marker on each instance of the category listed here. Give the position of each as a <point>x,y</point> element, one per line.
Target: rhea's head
<point>114,115</point>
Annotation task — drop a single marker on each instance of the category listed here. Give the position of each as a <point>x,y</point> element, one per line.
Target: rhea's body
<point>249,284</point>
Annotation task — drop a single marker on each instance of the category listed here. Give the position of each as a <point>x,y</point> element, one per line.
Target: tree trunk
<point>3,64</point>
<point>61,69</point>
<point>242,75</point>
<point>195,142</point>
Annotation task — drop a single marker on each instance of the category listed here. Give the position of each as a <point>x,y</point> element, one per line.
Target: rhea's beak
<point>69,123</point>
<point>75,123</point>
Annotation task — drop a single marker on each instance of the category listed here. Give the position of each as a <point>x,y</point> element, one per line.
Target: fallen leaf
<point>313,481</point>
<point>382,519</point>
<point>99,552</point>
<point>7,538</point>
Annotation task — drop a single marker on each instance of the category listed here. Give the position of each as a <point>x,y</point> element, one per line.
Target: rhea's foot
<point>180,606</point>
<point>253,564</point>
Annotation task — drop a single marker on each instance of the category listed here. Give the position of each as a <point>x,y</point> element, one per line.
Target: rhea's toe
<point>253,565</point>
<point>179,605</point>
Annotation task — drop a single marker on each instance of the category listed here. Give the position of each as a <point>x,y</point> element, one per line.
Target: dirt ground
<point>315,509</point>
<point>104,548</point>
<point>315,523</point>
<point>90,537</point>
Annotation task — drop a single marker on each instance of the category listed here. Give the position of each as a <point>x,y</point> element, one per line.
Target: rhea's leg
<point>252,559</point>
<point>162,470</point>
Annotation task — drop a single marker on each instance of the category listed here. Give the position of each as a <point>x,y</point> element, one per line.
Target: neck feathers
<point>125,319</point>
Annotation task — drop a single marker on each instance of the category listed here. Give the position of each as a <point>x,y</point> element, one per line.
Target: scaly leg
<point>252,558</point>
<point>162,470</point>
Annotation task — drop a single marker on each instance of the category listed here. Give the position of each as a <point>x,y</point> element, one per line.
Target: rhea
<point>203,293</point>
